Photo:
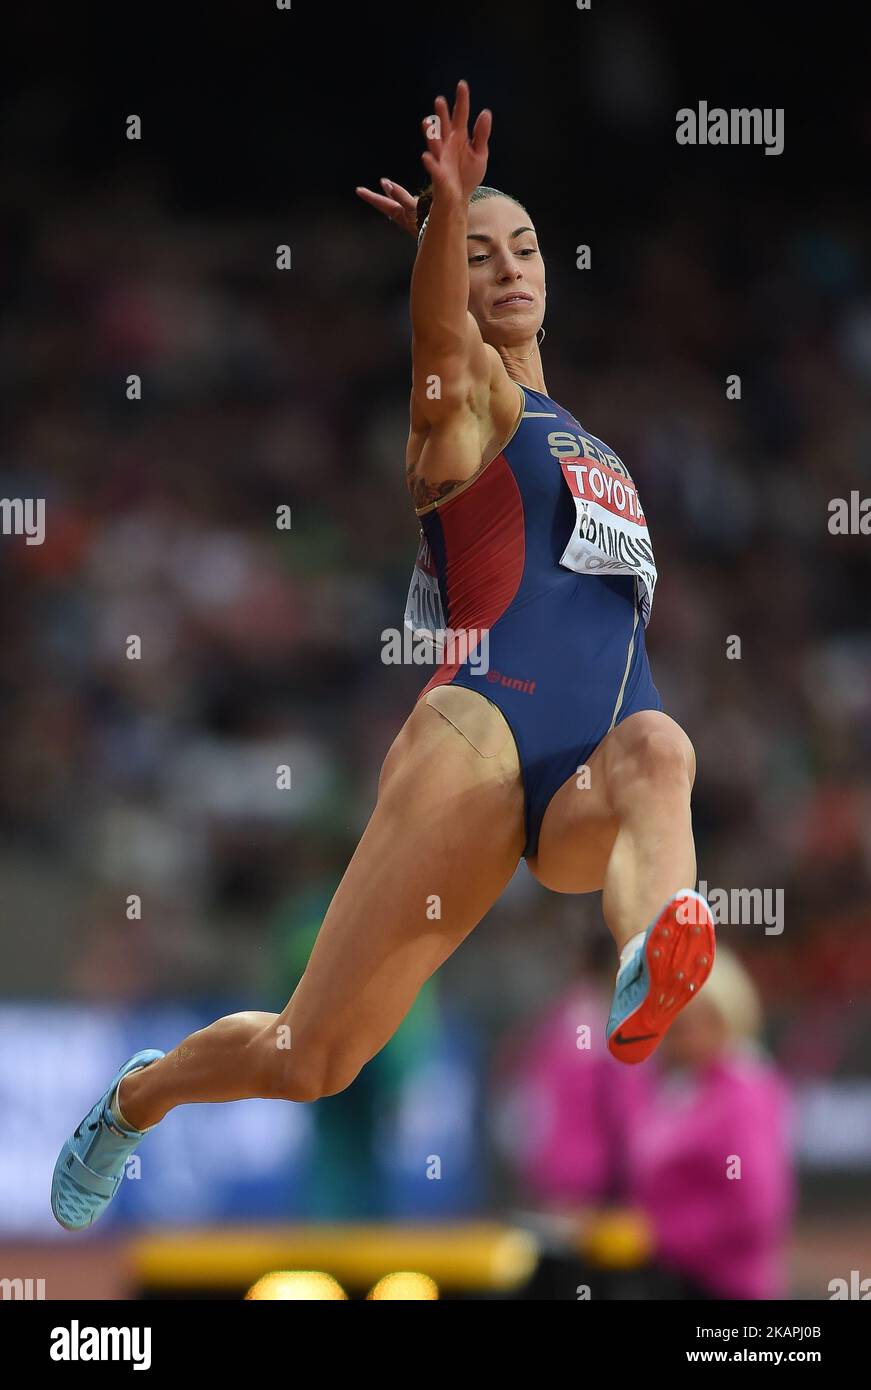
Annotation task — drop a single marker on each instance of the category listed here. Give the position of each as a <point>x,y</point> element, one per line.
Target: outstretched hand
<point>396,203</point>
<point>455,163</point>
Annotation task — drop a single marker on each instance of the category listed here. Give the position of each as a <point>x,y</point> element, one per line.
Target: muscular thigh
<point>580,825</point>
<point>443,841</point>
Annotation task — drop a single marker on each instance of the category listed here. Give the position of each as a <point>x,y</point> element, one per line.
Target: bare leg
<point>444,839</point>
<point>630,831</point>
<point>653,855</point>
<point>213,1064</point>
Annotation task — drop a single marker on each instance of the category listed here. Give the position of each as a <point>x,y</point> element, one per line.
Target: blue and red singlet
<point>547,550</point>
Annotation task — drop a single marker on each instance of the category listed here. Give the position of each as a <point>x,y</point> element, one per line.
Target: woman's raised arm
<point>447,343</point>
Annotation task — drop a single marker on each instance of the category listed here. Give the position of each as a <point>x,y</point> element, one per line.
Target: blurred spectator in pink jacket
<point>709,1154</point>
<point>680,1167</point>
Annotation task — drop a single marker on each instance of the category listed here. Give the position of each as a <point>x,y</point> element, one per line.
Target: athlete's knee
<point>656,752</point>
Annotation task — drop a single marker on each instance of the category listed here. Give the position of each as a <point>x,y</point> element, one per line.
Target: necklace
<point>536,344</point>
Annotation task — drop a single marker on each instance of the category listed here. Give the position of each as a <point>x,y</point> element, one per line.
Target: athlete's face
<point>506,272</point>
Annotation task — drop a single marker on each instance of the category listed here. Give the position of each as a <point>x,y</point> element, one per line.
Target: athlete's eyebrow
<point>480,236</point>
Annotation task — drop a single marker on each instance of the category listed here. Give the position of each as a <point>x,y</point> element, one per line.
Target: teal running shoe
<point>90,1165</point>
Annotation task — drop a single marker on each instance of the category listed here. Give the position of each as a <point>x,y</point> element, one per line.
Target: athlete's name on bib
<point>610,534</point>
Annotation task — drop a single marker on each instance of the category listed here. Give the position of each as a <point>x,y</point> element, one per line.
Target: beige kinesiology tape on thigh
<point>479,721</point>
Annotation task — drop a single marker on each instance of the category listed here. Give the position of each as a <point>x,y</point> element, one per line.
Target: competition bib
<point>610,534</point>
<point>423,607</point>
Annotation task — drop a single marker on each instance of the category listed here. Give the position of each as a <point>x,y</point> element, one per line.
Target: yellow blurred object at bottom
<point>287,1284</point>
<point>618,1239</point>
<point>405,1285</point>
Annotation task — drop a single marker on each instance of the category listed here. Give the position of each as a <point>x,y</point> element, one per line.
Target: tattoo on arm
<point>423,493</point>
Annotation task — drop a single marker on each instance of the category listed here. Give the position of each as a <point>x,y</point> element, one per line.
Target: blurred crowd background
<point>264,388</point>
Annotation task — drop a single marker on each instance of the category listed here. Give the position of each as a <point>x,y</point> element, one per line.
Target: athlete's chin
<point>524,313</point>
<point>519,340</point>
<point>512,330</point>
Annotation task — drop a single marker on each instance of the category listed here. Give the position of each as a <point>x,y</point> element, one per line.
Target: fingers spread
<point>388,206</point>
<point>481,133</point>
<point>442,110</point>
<point>461,106</point>
<point>402,195</point>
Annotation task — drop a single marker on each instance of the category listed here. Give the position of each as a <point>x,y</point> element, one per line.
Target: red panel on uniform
<point>483,534</point>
